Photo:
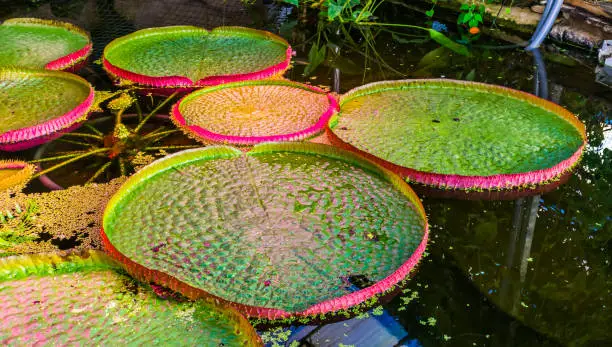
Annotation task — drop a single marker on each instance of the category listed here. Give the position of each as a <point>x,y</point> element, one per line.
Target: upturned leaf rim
<point>121,73</point>
<point>27,137</point>
<point>206,136</point>
<point>466,182</point>
<point>330,306</point>
<point>69,62</point>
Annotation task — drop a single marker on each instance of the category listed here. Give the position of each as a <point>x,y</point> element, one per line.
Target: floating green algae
<point>282,227</point>
<point>84,299</point>
<point>454,128</point>
<point>34,43</point>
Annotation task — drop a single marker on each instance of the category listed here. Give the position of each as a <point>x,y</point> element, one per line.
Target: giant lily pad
<point>38,43</point>
<point>278,231</point>
<point>85,300</point>
<point>38,105</point>
<point>246,113</point>
<point>187,56</point>
<point>462,135</point>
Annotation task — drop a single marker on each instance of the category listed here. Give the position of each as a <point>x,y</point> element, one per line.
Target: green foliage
<point>341,10</point>
<point>17,226</point>
<point>448,43</point>
<point>316,56</point>
<point>471,15</point>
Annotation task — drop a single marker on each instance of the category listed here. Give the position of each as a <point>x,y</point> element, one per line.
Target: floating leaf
<point>236,233</point>
<point>60,299</point>
<point>247,113</point>
<point>14,174</point>
<point>459,134</point>
<point>37,106</point>
<point>39,43</point>
<point>187,56</point>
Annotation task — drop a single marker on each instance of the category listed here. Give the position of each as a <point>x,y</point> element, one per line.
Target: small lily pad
<point>38,105</point>
<point>187,56</point>
<point>14,174</point>
<point>246,113</point>
<point>39,43</point>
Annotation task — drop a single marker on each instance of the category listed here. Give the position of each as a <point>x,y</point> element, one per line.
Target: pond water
<point>524,272</point>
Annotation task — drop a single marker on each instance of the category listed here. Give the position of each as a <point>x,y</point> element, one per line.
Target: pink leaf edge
<point>181,81</point>
<point>20,139</point>
<point>319,126</point>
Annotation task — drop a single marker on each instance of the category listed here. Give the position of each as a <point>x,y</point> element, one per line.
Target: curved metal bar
<point>545,24</point>
<point>541,78</point>
<point>545,14</point>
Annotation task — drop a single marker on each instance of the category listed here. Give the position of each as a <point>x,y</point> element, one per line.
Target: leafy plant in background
<point>471,15</point>
<point>341,17</point>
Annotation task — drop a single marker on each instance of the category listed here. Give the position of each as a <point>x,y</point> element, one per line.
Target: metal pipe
<point>545,25</point>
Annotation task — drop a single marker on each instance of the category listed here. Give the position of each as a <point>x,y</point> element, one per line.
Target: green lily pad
<point>37,103</point>
<point>278,231</point>
<point>39,43</point>
<point>86,299</point>
<point>246,113</point>
<point>458,134</point>
<point>191,56</point>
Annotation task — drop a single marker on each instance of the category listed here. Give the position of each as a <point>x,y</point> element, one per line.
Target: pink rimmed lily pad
<point>278,231</point>
<point>41,43</point>
<point>247,113</point>
<point>86,299</point>
<point>39,105</point>
<point>459,135</point>
<point>188,57</point>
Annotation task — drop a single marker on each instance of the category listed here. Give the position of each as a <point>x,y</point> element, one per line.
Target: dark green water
<point>527,272</point>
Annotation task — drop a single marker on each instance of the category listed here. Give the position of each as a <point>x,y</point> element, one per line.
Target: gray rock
<point>605,53</point>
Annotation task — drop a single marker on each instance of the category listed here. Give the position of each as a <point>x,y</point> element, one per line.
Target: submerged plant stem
<point>92,128</point>
<point>393,25</point>
<point>73,154</point>
<point>79,143</point>
<point>156,134</point>
<point>91,136</point>
<point>85,155</point>
<point>170,147</point>
<point>99,172</point>
<point>145,119</point>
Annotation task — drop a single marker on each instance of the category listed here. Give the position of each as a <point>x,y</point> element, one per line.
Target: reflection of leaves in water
<point>315,57</point>
<point>566,289</point>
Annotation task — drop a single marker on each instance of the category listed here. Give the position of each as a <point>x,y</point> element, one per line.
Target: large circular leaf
<point>85,300</point>
<point>37,105</point>
<point>186,56</point>
<point>246,113</point>
<point>457,134</point>
<point>278,231</point>
<point>39,43</point>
